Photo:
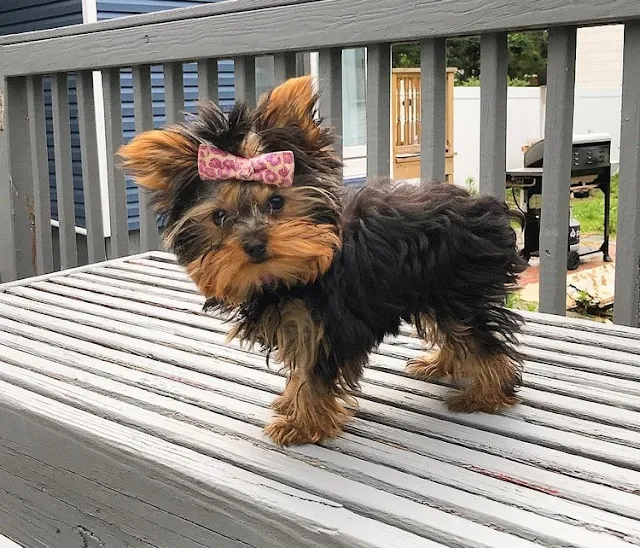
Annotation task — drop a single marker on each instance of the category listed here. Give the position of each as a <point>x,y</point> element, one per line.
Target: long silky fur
<point>409,252</point>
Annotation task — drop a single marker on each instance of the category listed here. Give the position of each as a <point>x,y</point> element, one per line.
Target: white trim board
<point>90,15</point>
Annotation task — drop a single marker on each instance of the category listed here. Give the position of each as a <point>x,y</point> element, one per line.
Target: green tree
<point>527,56</point>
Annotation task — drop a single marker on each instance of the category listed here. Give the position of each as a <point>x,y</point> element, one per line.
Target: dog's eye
<point>219,216</point>
<point>275,203</point>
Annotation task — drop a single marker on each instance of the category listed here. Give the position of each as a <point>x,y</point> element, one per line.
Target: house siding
<point>27,15</point>
<point>32,15</point>
<point>599,57</point>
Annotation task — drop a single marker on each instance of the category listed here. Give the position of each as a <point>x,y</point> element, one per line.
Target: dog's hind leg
<point>467,271</point>
<point>439,363</point>
<point>489,373</point>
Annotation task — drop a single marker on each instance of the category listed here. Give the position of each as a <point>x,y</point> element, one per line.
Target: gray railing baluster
<point>16,183</point>
<point>40,171</point>
<point>8,264</point>
<point>433,92</point>
<point>117,184</point>
<point>90,171</point>
<point>284,66</point>
<point>174,92</point>
<point>493,114</point>
<point>554,221</point>
<point>64,170</point>
<point>378,110</point>
<point>143,109</point>
<point>627,289</point>
<point>245,79</point>
<point>330,83</point>
<point>208,79</point>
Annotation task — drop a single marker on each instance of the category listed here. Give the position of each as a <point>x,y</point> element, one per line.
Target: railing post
<point>90,171</point>
<point>174,93</point>
<point>16,186</point>
<point>40,172</point>
<point>208,79</point>
<point>117,184</point>
<point>8,262</point>
<point>284,66</point>
<point>626,309</point>
<point>433,93</point>
<point>245,79</point>
<point>493,114</point>
<point>378,110</point>
<point>330,84</point>
<point>558,138</point>
<point>143,114</point>
<point>64,170</point>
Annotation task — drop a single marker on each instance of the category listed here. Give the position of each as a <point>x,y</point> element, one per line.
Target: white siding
<point>599,57</point>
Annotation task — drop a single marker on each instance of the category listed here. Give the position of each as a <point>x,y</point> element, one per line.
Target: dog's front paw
<point>285,431</point>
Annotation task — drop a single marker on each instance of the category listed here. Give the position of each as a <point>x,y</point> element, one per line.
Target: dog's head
<point>252,199</point>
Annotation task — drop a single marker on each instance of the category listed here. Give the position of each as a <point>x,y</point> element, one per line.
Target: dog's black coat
<point>409,252</point>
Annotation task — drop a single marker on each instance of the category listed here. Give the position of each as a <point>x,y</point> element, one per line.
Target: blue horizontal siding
<point>18,16</point>
<point>112,9</point>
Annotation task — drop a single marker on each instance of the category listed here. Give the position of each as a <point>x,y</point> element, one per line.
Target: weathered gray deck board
<point>7,543</point>
<point>127,419</point>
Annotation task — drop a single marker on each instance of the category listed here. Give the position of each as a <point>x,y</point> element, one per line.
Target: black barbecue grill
<point>591,169</point>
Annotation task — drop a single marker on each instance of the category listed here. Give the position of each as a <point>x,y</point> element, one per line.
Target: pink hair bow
<point>273,168</point>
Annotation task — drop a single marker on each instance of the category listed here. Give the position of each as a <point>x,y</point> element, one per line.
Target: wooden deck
<point>125,421</point>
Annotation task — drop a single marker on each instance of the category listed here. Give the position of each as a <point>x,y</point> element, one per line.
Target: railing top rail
<point>165,16</point>
<point>257,27</point>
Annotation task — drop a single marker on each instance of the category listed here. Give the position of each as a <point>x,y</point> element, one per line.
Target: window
<point>264,75</point>
<point>354,119</point>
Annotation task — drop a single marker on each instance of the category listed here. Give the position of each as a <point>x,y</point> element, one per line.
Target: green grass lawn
<point>517,302</point>
<point>589,211</point>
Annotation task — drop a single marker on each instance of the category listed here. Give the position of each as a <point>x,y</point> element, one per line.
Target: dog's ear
<point>161,161</point>
<point>285,119</point>
<point>291,105</point>
<point>154,158</point>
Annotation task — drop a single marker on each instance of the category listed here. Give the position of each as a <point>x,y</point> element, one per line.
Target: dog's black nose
<point>257,250</point>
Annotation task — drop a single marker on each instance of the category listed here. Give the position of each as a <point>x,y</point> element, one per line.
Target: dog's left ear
<point>161,161</point>
<point>291,105</point>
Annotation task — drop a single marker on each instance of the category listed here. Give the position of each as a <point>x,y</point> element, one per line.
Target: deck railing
<point>244,29</point>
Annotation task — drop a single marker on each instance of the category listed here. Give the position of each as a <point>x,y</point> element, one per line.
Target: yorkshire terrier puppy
<point>257,213</point>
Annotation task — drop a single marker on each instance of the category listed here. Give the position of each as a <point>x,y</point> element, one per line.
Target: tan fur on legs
<point>308,412</point>
<point>308,409</point>
<point>437,365</point>
<point>493,378</point>
<point>441,363</point>
<point>493,382</point>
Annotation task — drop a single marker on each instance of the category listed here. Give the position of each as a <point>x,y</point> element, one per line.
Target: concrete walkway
<point>593,276</point>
